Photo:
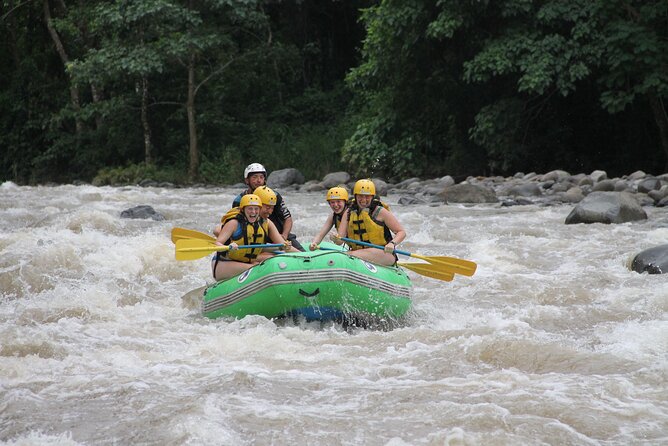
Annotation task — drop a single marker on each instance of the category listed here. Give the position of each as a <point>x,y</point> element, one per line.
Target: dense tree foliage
<point>195,89</point>
<point>200,85</point>
<point>559,53</point>
<point>496,87</point>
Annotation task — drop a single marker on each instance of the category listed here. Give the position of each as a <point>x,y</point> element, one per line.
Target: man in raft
<point>255,175</point>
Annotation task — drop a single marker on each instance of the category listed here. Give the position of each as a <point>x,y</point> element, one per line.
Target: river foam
<point>553,341</point>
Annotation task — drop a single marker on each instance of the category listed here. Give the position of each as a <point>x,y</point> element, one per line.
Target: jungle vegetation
<point>193,90</point>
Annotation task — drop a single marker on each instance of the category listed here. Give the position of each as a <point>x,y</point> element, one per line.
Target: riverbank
<point>554,187</point>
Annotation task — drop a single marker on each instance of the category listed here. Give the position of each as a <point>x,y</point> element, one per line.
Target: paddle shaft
<point>191,249</point>
<point>371,245</point>
<point>226,247</point>
<point>451,264</point>
<point>424,269</point>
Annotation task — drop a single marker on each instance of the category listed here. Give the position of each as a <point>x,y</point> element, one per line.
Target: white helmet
<point>254,168</point>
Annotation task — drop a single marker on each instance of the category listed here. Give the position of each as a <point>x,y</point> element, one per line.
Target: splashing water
<point>553,341</point>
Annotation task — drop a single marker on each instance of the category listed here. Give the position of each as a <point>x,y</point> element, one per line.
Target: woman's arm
<point>323,232</point>
<point>395,227</point>
<point>226,232</point>
<point>343,228</point>
<point>287,227</point>
<point>276,236</point>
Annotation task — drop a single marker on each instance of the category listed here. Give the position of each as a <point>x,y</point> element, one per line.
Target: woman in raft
<point>369,220</point>
<point>337,198</point>
<point>245,228</point>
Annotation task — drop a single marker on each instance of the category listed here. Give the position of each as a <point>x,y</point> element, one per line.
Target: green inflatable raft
<point>326,284</point>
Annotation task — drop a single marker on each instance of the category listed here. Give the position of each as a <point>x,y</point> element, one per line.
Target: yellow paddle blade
<point>428,270</point>
<point>181,233</point>
<point>191,249</point>
<point>450,264</point>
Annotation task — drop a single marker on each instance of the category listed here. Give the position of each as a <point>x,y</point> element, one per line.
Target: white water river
<point>552,342</point>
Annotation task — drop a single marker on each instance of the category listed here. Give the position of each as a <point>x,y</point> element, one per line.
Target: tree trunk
<point>148,144</point>
<point>661,119</point>
<point>97,98</point>
<point>13,39</point>
<point>95,92</point>
<point>192,126</point>
<point>60,48</point>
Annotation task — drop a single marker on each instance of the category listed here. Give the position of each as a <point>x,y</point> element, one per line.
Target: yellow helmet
<point>337,193</point>
<point>364,187</point>
<point>267,196</point>
<point>250,200</point>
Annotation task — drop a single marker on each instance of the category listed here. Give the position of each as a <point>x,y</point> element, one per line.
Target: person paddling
<point>369,220</point>
<point>245,228</point>
<point>337,198</point>
<point>255,175</point>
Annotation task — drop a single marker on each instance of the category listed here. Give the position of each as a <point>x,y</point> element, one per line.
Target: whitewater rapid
<point>553,341</point>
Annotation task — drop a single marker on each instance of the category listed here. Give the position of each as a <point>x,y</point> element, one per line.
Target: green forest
<point>190,91</point>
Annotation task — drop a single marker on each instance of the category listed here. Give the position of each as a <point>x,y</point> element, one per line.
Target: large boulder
<point>658,195</point>
<point>637,175</point>
<point>381,186</point>
<point>649,184</point>
<point>556,175</point>
<point>585,181</point>
<point>604,186</point>
<point>405,183</point>
<point>467,193</point>
<point>312,186</point>
<point>285,177</point>
<point>142,211</point>
<point>526,190</point>
<point>607,207</point>
<point>573,195</point>
<point>335,179</point>
<point>652,260</point>
<point>598,175</point>
<point>622,186</point>
<point>446,181</point>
